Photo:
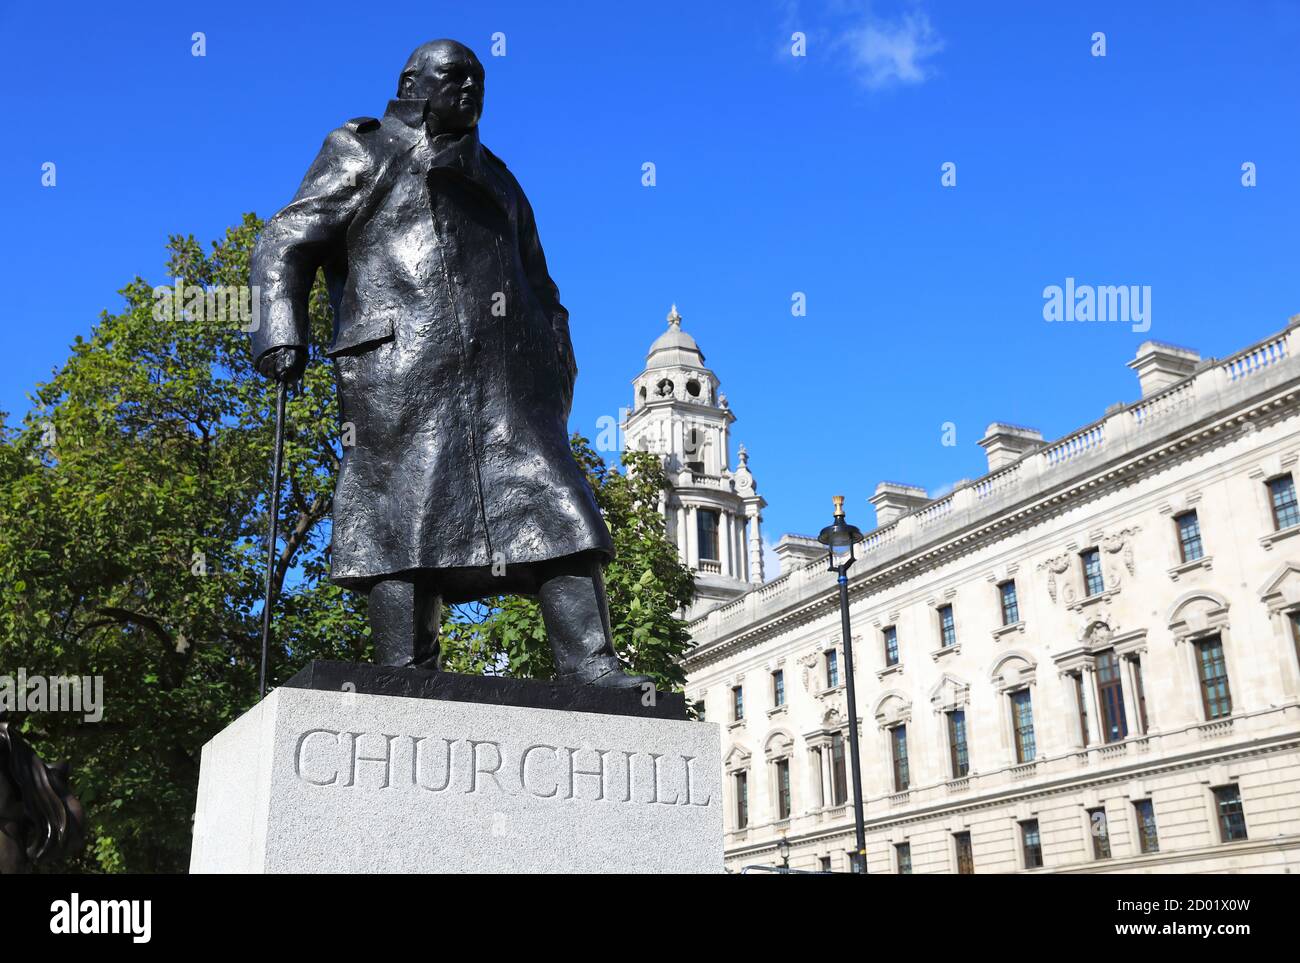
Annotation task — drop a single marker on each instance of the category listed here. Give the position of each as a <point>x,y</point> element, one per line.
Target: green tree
<point>132,516</point>
<point>133,513</point>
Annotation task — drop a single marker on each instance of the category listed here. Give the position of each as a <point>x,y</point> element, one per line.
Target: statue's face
<point>450,79</point>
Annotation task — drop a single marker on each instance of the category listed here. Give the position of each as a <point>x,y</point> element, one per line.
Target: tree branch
<point>306,521</point>
<point>135,618</point>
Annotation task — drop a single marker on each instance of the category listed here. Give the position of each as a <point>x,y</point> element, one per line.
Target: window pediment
<point>1198,613</point>
<point>1012,670</point>
<point>1282,590</point>
<point>779,745</point>
<point>950,693</point>
<point>893,708</point>
<point>737,758</point>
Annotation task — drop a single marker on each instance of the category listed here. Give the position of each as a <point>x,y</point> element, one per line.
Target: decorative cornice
<point>1180,443</point>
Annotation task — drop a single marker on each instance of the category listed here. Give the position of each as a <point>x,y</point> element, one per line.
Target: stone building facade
<point>1086,660</point>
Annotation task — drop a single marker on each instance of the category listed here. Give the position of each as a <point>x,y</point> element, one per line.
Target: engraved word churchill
<point>340,759</point>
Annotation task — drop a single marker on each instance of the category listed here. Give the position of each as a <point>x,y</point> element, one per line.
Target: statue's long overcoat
<point>451,348</point>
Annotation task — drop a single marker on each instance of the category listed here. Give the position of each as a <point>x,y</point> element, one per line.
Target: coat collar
<point>409,112</point>
<point>462,154</point>
<point>462,151</point>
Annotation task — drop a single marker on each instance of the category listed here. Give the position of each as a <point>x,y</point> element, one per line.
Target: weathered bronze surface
<point>41,821</point>
<point>454,369</point>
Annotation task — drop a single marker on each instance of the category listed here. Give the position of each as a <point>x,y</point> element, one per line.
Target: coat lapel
<point>462,156</point>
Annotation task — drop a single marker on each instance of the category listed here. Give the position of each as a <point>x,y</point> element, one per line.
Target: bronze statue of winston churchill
<point>454,368</point>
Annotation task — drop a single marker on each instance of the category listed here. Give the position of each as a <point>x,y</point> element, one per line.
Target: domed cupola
<point>712,512</point>
<point>675,370</point>
<point>674,348</point>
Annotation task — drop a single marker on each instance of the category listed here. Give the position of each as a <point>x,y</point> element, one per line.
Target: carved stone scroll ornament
<point>1121,541</point>
<point>807,664</point>
<point>1055,566</point>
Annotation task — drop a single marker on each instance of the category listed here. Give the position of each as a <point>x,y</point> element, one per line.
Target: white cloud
<point>889,52</point>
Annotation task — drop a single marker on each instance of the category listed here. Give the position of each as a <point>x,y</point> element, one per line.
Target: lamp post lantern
<point>839,538</point>
<point>783,849</point>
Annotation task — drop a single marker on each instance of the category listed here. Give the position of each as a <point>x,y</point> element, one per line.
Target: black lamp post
<point>783,848</point>
<point>839,538</point>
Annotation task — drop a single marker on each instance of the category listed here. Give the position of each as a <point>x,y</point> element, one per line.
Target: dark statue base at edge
<point>383,680</point>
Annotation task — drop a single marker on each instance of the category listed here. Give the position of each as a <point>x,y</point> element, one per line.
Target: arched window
<point>893,711</point>
<point>779,751</point>
<point>1200,619</point>
<point>1013,676</point>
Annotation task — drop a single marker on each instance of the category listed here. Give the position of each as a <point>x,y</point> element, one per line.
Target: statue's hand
<point>283,364</point>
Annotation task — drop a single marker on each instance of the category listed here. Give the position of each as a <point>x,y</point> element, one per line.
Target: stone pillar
<point>724,542</point>
<point>738,532</point>
<point>1095,736</point>
<point>1129,690</point>
<point>1069,680</point>
<point>1007,731</point>
<point>970,743</point>
<point>755,546</point>
<point>828,775</point>
<point>692,539</point>
<point>742,562</point>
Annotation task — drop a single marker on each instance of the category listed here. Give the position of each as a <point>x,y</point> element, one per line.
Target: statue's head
<point>448,76</point>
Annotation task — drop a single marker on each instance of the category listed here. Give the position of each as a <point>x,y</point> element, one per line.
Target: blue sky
<point>775,174</point>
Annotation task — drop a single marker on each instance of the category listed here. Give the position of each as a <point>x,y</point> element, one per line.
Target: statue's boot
<point>576,612</point>
<point>404,622</point>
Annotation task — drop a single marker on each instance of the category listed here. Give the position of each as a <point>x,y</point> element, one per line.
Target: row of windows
<point>830,662</point>
<point>1216,701</point>
<point>1215,694</point>
<point>961,846</point>
<point>1212,677</point>
<point>1229,817</point>
<point>1286,512</point>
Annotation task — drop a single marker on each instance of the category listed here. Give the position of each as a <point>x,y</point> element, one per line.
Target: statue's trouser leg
<point>576,613</point>
<point>404,621</point>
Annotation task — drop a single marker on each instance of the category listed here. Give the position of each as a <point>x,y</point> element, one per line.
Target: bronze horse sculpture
<point>40,820</point>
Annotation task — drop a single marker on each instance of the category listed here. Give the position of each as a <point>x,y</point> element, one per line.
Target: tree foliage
<point>133,517</point>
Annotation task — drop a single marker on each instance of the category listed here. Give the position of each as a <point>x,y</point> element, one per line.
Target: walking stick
<point>271,538</point>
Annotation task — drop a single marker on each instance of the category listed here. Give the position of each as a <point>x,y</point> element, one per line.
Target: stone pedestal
<point>347,780</point>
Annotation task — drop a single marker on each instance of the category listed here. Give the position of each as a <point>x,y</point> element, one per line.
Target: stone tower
<point>714,512</point>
